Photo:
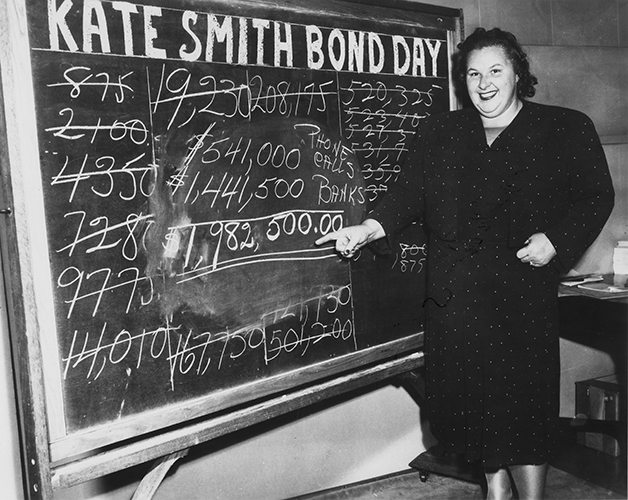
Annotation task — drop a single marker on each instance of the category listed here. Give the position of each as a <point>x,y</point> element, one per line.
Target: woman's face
<point>491,82</point>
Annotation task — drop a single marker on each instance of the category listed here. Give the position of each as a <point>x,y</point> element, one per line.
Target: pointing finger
<point>326,238</point>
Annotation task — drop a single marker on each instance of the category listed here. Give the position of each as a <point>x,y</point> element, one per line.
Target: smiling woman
<point>510,192</point>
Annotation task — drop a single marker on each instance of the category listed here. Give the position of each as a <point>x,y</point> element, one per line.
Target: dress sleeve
<point>590,190</point>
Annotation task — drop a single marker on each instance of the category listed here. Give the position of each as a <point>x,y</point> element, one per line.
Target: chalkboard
<point>189,155</point>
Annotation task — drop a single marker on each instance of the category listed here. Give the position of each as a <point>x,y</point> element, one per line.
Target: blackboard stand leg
<point>412,381</point>
<point>438,461</point>
<point>148,486</point>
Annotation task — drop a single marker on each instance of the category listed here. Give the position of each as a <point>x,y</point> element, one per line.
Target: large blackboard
<point>190,153</point>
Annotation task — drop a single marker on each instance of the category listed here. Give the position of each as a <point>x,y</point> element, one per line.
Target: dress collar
<point>518,130</point>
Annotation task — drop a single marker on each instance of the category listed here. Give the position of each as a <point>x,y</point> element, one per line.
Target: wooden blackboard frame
<point>52,458</point>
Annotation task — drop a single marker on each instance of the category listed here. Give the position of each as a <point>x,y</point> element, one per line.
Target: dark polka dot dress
<point>492,349</point>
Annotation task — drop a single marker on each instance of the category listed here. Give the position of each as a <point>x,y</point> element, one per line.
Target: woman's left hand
<point>538,250</point>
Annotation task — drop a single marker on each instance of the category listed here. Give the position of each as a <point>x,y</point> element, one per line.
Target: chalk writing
<point>380,120</point>
<point>244,41</point>
<point>78,78</point>
<point>410,258</point>
<point>291,329</point>
<point>190,160</point>
<point>188,96</point>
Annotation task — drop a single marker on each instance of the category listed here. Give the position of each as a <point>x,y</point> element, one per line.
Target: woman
<point>512,193</point>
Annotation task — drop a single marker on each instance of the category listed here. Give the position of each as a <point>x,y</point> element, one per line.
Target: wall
<point>10,467</point>
<point>579,51</point>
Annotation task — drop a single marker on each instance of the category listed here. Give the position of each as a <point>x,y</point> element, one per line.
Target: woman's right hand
<point>351,238</point>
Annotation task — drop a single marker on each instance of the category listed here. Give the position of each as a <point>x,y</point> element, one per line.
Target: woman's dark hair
<point>481,39</point>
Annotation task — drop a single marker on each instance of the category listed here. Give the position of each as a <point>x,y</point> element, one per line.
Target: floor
<point>577,473</point>
<point>407,485</point>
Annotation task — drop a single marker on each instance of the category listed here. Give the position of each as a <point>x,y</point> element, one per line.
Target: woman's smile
<point>487,96</point>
